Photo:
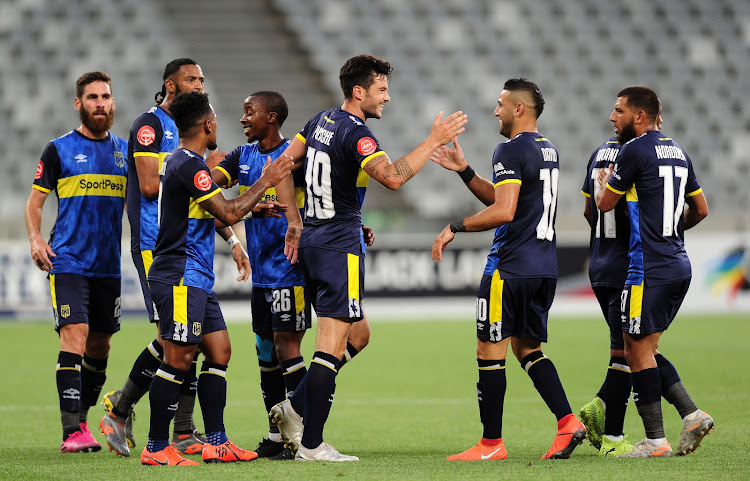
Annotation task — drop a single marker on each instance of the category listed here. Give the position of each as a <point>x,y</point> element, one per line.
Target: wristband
<point>467,174</point>
<point>233,241</point>
<point>458,226</point>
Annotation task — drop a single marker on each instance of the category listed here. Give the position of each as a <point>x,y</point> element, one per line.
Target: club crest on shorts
<point>65,311</point>
<point>197,328</point>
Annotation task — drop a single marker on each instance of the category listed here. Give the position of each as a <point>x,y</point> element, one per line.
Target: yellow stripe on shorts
<point>179,296</point>
<point>496,298</point>
<point>636,300</point>
<point>299,299</point>
<point>352,262</point>
<point>52,291</point>
<point>148,259</point>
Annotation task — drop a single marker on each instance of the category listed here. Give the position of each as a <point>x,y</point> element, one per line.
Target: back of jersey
<point>526,246</point>
<point>655,175</point>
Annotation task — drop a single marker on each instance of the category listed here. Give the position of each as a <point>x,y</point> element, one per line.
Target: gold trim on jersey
<point>618,192</point>
<point>508,181</point>
<point>103,185</point>
<point>631,195</point>
<point>299,136</point>
<point>223,171</point>
<point>40,188</point>
<point>588,196</point>
<point>362,178</point>
<point>370,157</point>
<point>696,192</point>
<point>197,212</point>
<point>299,197</point>
<point>207,196</point>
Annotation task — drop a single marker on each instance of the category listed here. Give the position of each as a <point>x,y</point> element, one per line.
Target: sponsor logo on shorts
<point>366,145</point>
<point>202,180</point>
<point>39,170</point>
<point>65,311</point>
<point>146,135</point>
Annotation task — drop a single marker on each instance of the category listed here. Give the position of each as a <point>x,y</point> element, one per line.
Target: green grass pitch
<point>402,406</point>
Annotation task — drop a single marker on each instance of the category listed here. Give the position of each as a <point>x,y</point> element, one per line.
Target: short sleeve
<point>363,146</point>
<point>194,177</point>
<point>147,135</point>
<point>624,172</point>
<point>506,167</point>
<point>230,165</point>
<point>48,170</point>
<point>304,134</point>
<point>692,187</point>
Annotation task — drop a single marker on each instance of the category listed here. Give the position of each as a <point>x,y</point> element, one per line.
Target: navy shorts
<point>280,309</point>
<point>335,282</point>
<point>649,309</point>
<point>187,313</point>
<point>142,261</point>
<point>609,301</point>
<point>513,307</point>
<point>79,299</point>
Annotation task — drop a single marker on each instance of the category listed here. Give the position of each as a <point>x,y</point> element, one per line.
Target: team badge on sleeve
<point>146,135</point>
<point>202,180</point>
<point>366,146</point>
<point>39,170</point>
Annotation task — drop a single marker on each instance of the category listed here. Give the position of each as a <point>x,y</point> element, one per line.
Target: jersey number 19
<point>318,180</point>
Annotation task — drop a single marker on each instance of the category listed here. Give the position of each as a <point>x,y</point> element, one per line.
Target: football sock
<point>293,371</point>
<point>68,375</point>
<point>164,396</point>
<point>212,392</point>
<point>131,393</point>
<point>183,417</point>
<point>93,376</point>
<point>617,385</point>
<point>319,388</point>
<point>156,445</point>
<point>546,381</point>
<point>349,354</point>
<point>271,385</point>
<point>298,397</point>
<point>672,388</point>
<point>216,438</point>
<point>491,396</point>
<point>139,381</point>
<point>647,396</point>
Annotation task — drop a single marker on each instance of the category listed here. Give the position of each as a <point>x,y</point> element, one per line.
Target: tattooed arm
<point>232,211</point>
<point>395,174</point>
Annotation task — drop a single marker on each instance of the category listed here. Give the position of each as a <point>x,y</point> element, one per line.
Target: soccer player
<point>280,311</point>
<point>87,169</point>
<point>520,276</point>
<point>341,154</point>
<point>153,136</point>
<point>181,280</point>
<point>657,178</point>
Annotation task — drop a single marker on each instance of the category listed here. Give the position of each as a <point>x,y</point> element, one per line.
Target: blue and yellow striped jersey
<point>89,177</point>
<point>339,145</point>
<point>610,234</point>
<point>184,251</point>
<point>265,235</point>
<point>153,134</point>
<point>526,246</point>
<point>655,175</point>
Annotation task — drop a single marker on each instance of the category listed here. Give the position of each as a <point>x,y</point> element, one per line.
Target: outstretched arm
<point>395,174</point>
<point>453,159</point>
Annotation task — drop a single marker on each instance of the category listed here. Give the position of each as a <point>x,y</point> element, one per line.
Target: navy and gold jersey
<point>339,145</point>
<point>153,134</point>
<point>610,234</point>
<point>265,235</point>
<point>184,252</point>
<point>655,175</point>
<point>89,177</point>
<point>525,247</point>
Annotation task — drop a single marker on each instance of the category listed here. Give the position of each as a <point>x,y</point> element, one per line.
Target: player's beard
<point>506,126</point>
<point>97,126</point>
<point>212,145</point>
<point>627,133</point>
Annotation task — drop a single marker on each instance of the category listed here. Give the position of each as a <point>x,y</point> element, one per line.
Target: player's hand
<point>274,171</point>
<point>441,242</point>
<point>443,131</point>
<point>291,243</point>
<point>229,185</point>
<point>451,159</point>
<point>41,253</point>
<point>603,176</point>
<point>269,209</point>
<point>369,235</point>
<point>215,159</point>
<point>243,263</point>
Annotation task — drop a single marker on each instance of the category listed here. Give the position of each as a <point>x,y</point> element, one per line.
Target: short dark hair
<point>91,77</point>
<point>640,97</point>
<point>524,85</point>
<point>189,109</point>
<point>273,102</point>
<point>361,70</point>
<point>171,68</point>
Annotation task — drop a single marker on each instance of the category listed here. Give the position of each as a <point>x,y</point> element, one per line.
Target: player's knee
<point>287,345</point>
<point>265,349</point>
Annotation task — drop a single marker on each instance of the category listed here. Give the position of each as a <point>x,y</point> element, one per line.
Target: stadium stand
<point>447,55</point>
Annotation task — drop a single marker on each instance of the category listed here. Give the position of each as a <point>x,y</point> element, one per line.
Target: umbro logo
<point>168,135</point>
<point>81,158</point>
<point>354,119</point>
<point>244,168</point>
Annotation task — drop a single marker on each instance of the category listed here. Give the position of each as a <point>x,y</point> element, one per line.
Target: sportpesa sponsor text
<point>101,184</point>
